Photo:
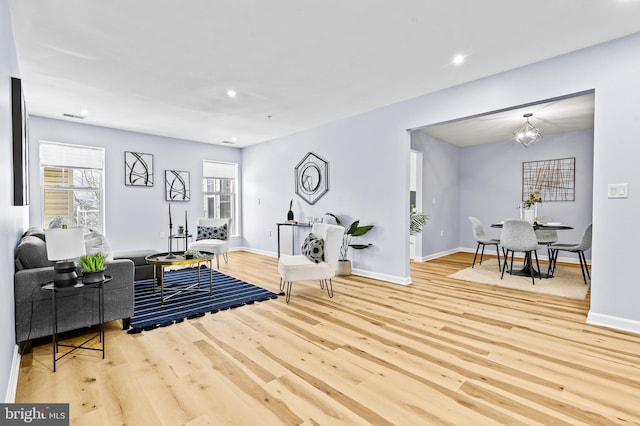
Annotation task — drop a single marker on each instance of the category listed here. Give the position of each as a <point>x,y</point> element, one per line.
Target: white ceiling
<point>551,117</point>
<point>164,66</point>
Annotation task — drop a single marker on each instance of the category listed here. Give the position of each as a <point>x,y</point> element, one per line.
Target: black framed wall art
<point>20,143</point>
<point>177,185</point>
<point>555,179</point>
<point>138,169</point>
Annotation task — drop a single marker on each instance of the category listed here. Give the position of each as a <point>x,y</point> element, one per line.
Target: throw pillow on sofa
<point>313,248</point>
<point>95,242</point>
<point>212,232</point>
<point>31,252</point>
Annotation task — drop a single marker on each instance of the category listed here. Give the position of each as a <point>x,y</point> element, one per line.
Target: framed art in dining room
<point>138,169</point>
<point>20,142</point>
<point>177,186</point>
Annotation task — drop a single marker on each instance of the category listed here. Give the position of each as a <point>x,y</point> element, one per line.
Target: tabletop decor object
<point>92,266</point>
<point>63,245</point>
<point>526,212</point>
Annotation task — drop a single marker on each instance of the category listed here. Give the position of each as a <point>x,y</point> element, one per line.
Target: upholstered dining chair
<point>482,240</point>
<point>212,236</point>
<point>321,260</point>
<point>579,248</point>
<point>546,237</point>
<point>518,236</point>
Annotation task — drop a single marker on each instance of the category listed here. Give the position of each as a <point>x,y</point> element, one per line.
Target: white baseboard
<point>382,277</point>
<point>617,323</point>
<point>12,384</point>
<point>436,255</point>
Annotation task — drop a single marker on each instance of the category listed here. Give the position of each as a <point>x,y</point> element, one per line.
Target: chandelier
<point>527,134</point>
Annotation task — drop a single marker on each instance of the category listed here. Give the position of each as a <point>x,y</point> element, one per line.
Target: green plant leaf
<point>335,217</point>
<point>361,230</point>
<point>359,246</point>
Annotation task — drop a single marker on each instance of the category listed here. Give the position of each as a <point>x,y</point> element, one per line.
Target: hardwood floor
<point>437,352</point>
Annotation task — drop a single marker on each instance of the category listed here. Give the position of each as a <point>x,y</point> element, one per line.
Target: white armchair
<point>212,245</point>
<point>301,268</point>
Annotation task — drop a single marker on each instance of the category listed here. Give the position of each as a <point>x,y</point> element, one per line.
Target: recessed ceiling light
<point>84,112</point>
<point>458,59</point>
<point>231,93</point>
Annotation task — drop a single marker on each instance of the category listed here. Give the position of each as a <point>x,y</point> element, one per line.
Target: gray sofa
<point>76,309</point>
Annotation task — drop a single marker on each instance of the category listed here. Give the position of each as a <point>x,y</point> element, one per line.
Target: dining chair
<point>546,237</point>
<point>482,240</point>
<point>320,261</point>
<point>518,236</point>
<point>579,248</point>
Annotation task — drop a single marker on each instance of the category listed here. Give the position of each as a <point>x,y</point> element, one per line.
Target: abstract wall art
<point>138,169</point>
<point>555,179</point>
<point>177,185</point>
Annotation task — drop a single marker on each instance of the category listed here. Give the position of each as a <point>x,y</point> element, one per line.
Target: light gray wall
<point>369,157</point>
<point>368,180</point>
<point>13,220</point>
<point>134,216</point>
<point>491,184</point>
<point>440,193</point>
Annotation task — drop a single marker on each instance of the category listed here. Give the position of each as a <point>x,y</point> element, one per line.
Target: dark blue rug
<point>228,293</point>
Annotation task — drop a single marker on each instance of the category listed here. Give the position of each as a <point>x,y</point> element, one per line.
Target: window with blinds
<point>72,184</point>
<point>219,188</point>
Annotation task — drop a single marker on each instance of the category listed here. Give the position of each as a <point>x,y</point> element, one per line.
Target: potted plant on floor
<point>92,266</point>
<point>355,230</point>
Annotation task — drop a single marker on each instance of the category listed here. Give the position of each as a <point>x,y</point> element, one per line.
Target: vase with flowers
<point>527,213</point>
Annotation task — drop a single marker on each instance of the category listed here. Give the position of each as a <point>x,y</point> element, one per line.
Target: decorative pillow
<point>32,253</point>
<point>313,248</point>
<point>212,233</point>
<point>95,242</point>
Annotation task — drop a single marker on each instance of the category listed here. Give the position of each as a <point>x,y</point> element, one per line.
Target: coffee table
<point>174,259</point>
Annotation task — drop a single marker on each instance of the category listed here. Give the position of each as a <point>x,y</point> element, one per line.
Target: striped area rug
<point>228,292</point>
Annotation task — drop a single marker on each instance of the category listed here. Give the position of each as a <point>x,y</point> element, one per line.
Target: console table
<point>293,234</point>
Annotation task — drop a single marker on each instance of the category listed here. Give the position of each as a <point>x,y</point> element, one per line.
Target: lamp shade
<point>64,244</point>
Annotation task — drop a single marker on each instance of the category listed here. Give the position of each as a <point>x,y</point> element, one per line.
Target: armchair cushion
<point>313,248</point>
<point>212,232</point>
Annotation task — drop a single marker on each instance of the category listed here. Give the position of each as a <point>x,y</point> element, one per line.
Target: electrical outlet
<point>442,232</point>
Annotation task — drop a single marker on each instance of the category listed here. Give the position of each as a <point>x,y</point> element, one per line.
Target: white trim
<point>382,277</point>
<point>12,383</point>
<point>616,323</point>
<point>436,255</point>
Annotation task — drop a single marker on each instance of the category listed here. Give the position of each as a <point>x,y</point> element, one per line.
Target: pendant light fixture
<point>527,134</point>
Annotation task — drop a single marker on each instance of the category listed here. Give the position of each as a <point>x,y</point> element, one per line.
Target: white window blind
<point>213,169</point>
<point>71,156</point>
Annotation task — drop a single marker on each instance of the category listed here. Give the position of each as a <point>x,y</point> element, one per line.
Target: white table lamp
<point>64,245</point>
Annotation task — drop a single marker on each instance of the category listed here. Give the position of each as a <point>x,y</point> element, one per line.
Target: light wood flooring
<point>437,352</point>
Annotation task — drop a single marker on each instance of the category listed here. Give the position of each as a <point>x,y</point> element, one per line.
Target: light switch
<point>617,190</point>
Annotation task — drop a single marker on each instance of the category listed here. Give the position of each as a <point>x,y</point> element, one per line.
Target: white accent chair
<point>217,247</point>
<point>300,268</point>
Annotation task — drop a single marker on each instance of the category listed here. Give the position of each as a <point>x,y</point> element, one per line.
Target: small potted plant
<point>416,221</point>
<point>92,266</point>
<point>355,230</point>
<point>192,254</point>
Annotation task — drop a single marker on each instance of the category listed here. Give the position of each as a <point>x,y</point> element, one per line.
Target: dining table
<point>528,265</point>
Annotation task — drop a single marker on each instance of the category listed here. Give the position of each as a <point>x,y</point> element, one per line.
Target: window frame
<point>69,167</point>
<point>235,220</point>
